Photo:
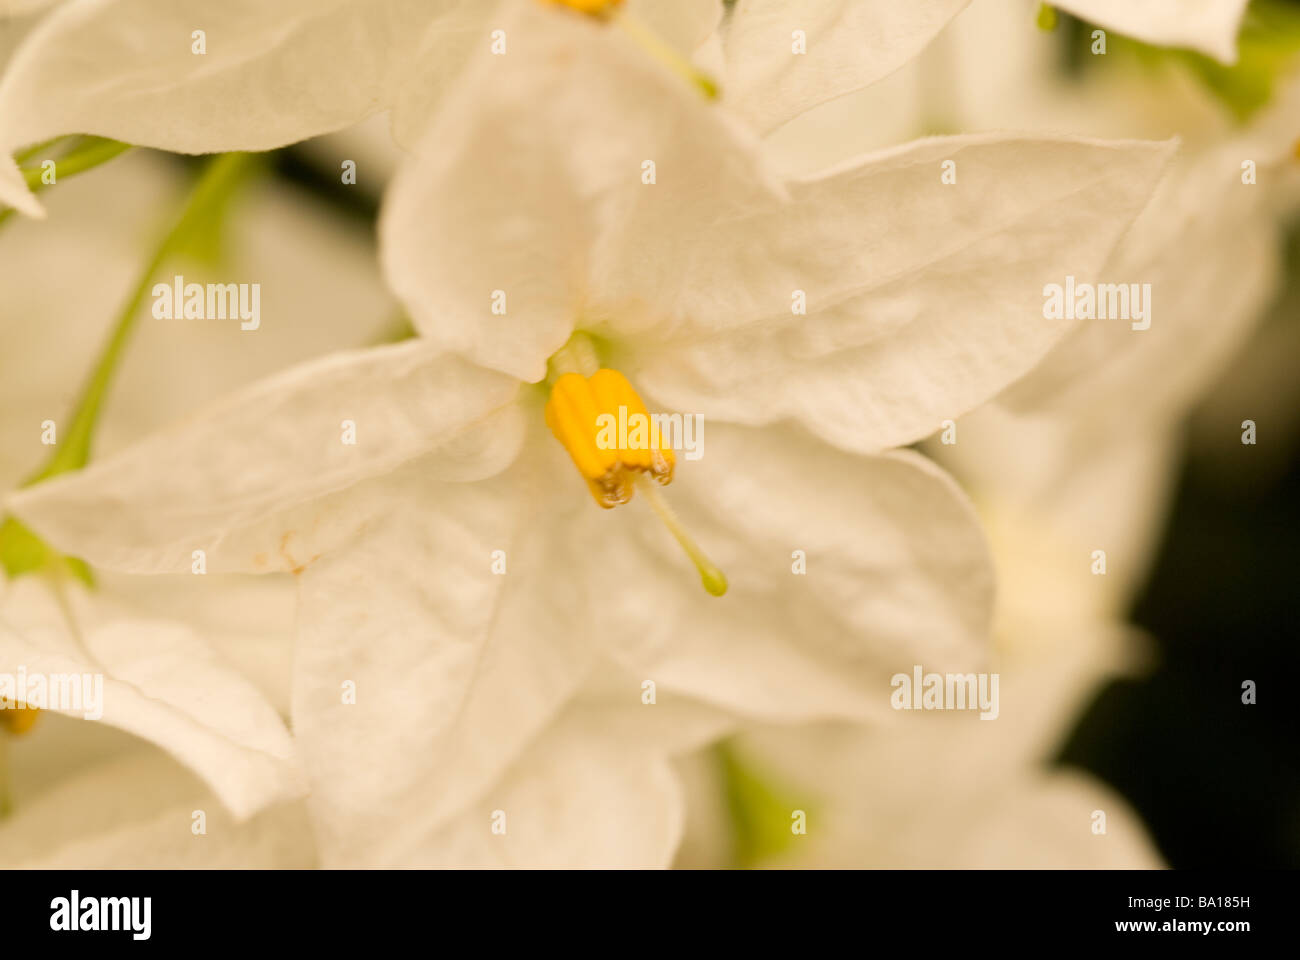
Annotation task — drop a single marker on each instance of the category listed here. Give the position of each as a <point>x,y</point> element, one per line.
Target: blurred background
<point>1218,785</point>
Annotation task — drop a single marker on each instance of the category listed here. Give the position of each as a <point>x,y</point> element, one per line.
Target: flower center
<point>609,434</point>
<point>602,422</point>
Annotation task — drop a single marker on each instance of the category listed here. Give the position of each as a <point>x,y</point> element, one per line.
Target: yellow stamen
<point>714,580</point>
<point>610,436</point>
<point>15,719</point>
<point>597,8</point>
<point>654,45</point>
<point>616,445</point>
<point>1046,17</point>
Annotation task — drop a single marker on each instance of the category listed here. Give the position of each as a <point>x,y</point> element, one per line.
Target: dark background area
<point>1218,781</point>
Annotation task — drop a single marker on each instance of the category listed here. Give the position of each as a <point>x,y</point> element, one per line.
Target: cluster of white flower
<point>452,656</point>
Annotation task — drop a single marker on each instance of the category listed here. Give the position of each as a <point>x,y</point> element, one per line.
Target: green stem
<point>88,155</point>
<point>21,550</point>
<point>72,454</point>
<point>36,149</point>
<point>713,580</point>
<point>654,45</point>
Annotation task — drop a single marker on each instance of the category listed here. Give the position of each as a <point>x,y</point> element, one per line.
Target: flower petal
<point>227,481</point>
<point>137,813</point>
<point>885,801</point>
<point>847,45</point>
<point>497,234</point>
<point>453,667</point>
<point>14,192</point>
<point>248,622</point>
<point>1117,379</point>
<point>878,807</point>
<point>594,790</point>
<point>18,8</point>
<point>1052,490</point>
<point>897,573</point>
<point>683,24</point>
<point>572,803</point>
<point>271,73</point>
<point>922,299</point>
<point>463,28</point>
<point>159,682</point>
<point>1209,26</point>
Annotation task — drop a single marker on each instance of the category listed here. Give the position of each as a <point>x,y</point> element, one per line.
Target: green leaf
<point>204,238</point>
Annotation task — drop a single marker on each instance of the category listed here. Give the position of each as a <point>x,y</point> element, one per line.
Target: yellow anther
<point>597,8</point>
<point>615,443</point>
<point>610,436</point>
<point>15,719</point>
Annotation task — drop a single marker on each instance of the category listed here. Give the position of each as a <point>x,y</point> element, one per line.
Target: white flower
<point>952,790</point>
<point>1083,460</point>
<point>275,73</point>
<point>784,56</point>
<point>1208,242</point>
<point>473,685</point>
